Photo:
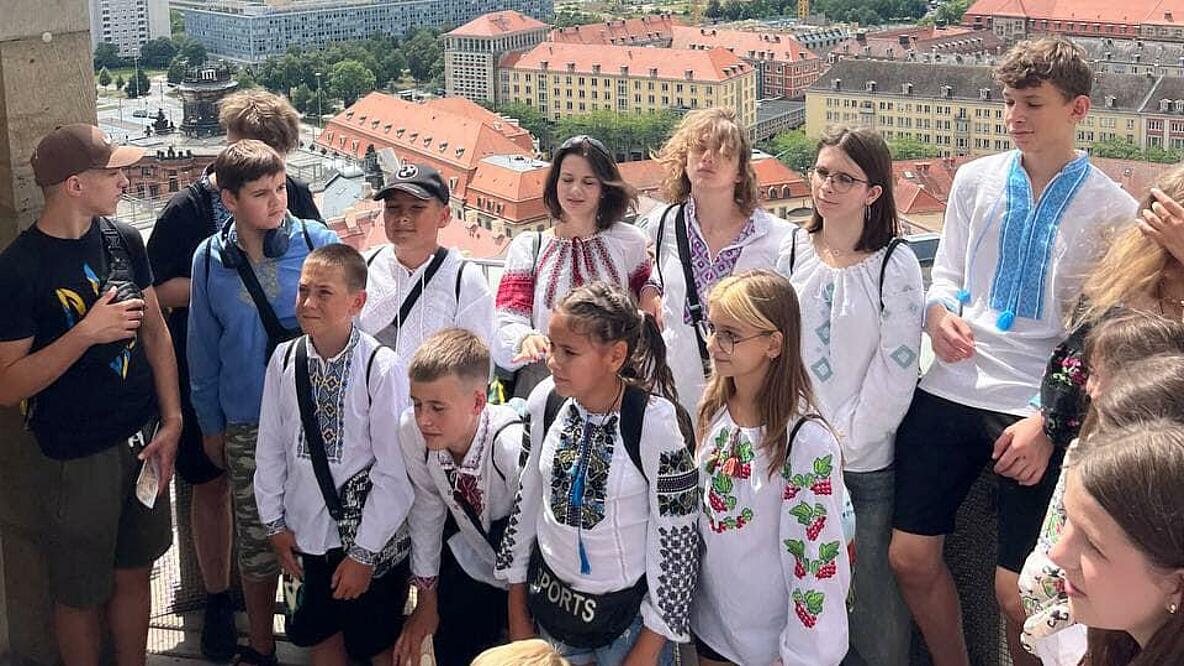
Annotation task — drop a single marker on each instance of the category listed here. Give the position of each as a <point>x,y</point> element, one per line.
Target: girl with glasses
<point>587,241</point>
<point>862,297</point>
<point>775,569</point>
<point>713,228</point>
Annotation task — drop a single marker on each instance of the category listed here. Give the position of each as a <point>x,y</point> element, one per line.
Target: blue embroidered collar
<point>1026,238</point>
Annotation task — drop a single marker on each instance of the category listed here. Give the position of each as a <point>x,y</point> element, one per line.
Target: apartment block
<point>1014,20</point>
<point>784,68</point>
<point>128,23</point>
<point>472,51</point>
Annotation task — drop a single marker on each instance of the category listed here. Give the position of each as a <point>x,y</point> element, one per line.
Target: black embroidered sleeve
<point>679,555</point>
<point>678,483</point>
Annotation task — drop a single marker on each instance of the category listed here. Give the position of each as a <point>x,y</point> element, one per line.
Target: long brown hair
<point>1150,388</point>
<point>1136,474</point>
<point>616,196</point>
<point>1132,267</point>
<point>867,149</point>
<point>765,301</point>
<point>608,314</point>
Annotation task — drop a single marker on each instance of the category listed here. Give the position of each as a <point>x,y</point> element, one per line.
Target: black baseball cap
<point>419,180</point>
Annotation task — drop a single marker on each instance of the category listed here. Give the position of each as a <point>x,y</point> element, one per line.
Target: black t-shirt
<point>185,222</point>
<point>47,285</point>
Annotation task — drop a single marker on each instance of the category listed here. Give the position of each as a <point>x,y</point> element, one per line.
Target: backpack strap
<point>374,256</point>
<point>312,431</point>
<point>793,432</point>
<point>793,248</point>
<point>633,405</point>
<point>658,241</point>
<point>460,274</point>
<point>688,274</point>
<point>536,245</point>
<point>115,250</point>
<point>304,232</point>
<point>271,323</point>
<point>369,368</point>
<point>417,290</point>
<point>892,245</point>
<point>498,433</point>
<point>551,409</point>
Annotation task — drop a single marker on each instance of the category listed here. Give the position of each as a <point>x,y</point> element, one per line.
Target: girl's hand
<point>647,650</point>
<point>521,625</point>
<point>1163,223</point>
<point>535,347</point>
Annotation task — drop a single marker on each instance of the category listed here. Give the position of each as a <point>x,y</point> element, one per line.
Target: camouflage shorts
<point>256,559</point>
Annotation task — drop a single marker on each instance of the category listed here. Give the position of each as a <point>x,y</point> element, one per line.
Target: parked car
<point>140,113</point>
<point>925,247</point>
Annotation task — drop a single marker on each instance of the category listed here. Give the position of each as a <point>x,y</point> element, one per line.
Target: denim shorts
<point>612,654</point>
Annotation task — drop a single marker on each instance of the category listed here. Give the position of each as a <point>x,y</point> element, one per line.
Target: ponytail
<point>609,314</point>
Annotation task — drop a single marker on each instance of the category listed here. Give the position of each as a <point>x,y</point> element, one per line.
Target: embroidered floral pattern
<point>582,461</point>
<point>808,606</point>
<point>825,566</point>
<point>678,484</point>
<point>1062,391</point>
<point>704,269</point>
<point>808,603</point>
<point>730,462</point>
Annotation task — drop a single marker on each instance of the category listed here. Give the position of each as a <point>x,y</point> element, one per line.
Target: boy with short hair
<point>416,286</point>
<point>1021,232</point>
<point>84,346</point>
<point>191,216</point>
<point>463,458</point>
<point>351,387</point>
<point>242,306</point>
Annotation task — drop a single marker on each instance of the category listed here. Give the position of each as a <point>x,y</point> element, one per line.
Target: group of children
<point>721,441</point>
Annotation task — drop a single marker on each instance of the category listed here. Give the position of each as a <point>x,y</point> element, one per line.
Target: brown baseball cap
<point>72,149</point>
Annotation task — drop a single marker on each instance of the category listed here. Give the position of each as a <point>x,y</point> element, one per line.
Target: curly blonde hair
<point>708,129</point>
<point>1134,264</point>
<point>532,652</point>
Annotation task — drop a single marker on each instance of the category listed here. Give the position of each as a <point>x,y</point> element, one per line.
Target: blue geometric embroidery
<point>582,463</point>
<point>903,356</point>
<point>329,380</point>
<point>823,332</point>
<point>822,370</point>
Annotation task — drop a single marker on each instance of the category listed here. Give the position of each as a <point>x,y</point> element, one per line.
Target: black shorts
<point>193,465</point>
<point>705,651</point>
<point>473,614</point>
<point>941,449</point>
<point>371,623</point>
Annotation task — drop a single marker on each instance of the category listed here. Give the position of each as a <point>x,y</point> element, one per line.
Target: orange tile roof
<point>473,110</point>
<point>912,199</point>
<point>429,132</point>
<point>716,65</point>
<point>515,184</point>
<point>1133,12</point>
<point>639,30</point>
<point>779,46</point>
<point>645,175</point>
<point>773,173</point>
<point>497,24</point>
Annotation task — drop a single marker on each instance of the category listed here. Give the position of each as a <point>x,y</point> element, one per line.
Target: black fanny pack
<point>579,619</point>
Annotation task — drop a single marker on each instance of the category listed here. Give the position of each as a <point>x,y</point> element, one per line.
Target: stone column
<point>46,80</point>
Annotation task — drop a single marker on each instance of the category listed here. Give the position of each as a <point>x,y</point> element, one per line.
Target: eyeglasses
<point>585,139</point>
<point>728,340</point>
<point>841,182</point>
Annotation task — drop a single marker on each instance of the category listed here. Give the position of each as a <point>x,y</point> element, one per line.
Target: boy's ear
<point>358,299</point>
<point>445,217</point>
<point>479,400</point>
<point>1080,108</point>
<point>229,199</point>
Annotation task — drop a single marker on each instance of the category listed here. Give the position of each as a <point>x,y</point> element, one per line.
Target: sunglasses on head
<point>585,139</point>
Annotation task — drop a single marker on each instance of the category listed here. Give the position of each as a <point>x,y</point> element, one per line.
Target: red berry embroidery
<point>815,527</point>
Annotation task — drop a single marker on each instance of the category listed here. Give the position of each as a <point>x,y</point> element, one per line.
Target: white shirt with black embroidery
<point>359,425</point>
<point>388,282</point>
<point>629,527</point>
<point>775,569</point>
<point>487,478</point>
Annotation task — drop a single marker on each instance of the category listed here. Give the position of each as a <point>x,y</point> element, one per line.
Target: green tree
<point>157,53</point>
<point>391,68</point>
<point>246,78</point>
<point>1117,148</point>
<point>138,85</point>
<point>1161,155</point>
<point>119,82</point>
<point>532,120</point>
<point>176,72</point>
<point>192,50</point>
<point>422,52</point>
<point>715,9</point>
<point>107,55</point>
<point>349,80</point>
<point>794,149</point>
<point>176,22</point>
<point>911,149</point>
<point>104,77</point>
<point>304,99</point>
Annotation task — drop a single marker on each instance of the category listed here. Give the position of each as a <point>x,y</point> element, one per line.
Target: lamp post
<point>320,118</point>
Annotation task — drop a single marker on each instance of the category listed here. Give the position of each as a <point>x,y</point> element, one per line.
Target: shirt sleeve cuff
<point>274,527</point>
<point>425,582</point>
<point>362,555</point>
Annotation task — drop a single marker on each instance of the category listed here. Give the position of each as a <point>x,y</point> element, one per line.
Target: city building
<point>250,31</point>
<point>959,108</point>
<point>1014,20</point>
<point>163,172</point>
<point>784,68</point>
<point>774,116</point>
<point>820,39</point>
<point>128,23</point>
<point>1133,56</point>
<point>907,43</point>
<point>781,189</point>
<point>651,30</point>
<point>472,51</point>
<point>566,79</point>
